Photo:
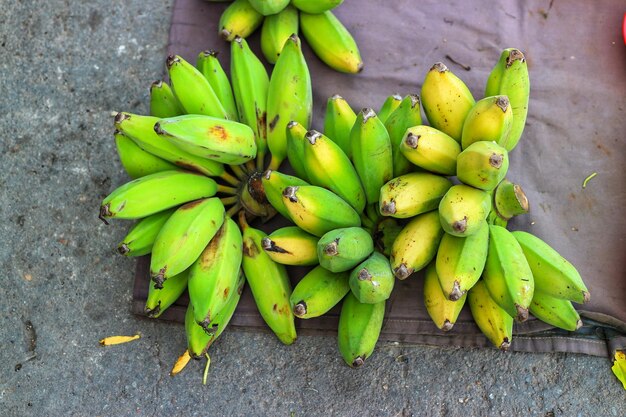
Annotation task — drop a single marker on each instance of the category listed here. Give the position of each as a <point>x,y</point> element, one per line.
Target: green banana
<point>553,274</point>
<point>159,299</point>
<point>209,65</point>
<point>141,236</point>
<point>338,122</point>
<point>183,237</point>
<point>269,7</point>
<point>342,249</point>
<point>446,100</point>
<point>318,210</point>
<point>411,194</point>
<point>269,283</point>
<point>391,103</point>
<point>385,232</point>
<point>416,245</point>
<point>490,120</point>
<point>407,115</point>
<point>318,291</point>
<point>136,162</point>
<point>430,149</point>
<point>509,200</point>
<point>507,275</point>
<point>253,199</point>
<point>509,77</point>
<point>482,165</point>
<point>274,183</point>
<point>239,19</point>
<point>163,102</point>
<point>372,280</point>
<point>296,135</point>
<point>359,328</point>
<point>275,31</point>
<point>492,320</point>
<point>289,97</point>
<point>331,41</point>
<point>463,210</point>
<point>371,153</point>
<point>291,246</point>
<point>316,6</point>
<point>440,308</point>
<point>555,311</point>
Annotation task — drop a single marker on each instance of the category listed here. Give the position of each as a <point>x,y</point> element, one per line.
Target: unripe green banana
<point>209,65</point>
<point>198,341</point>
<point>372,280</point>
<point>440,308</point>
<point>183,237</point>
<point>342,249</point>
<point>555,311</point>
<point>318,291</point>
<point>316,6</point>
<point>553,275</point>
<point>463,210</point>
<point>430,149</point>
<point>359,329</point>
<point>296,135</point>
<point>331,41</point>
<point>416,245</point>
<point>275,31</point>
<point>385,234</point>
<point>371,153</point>
<point>391,103</point>
<point>510,78</point>
<point>159,299</point>
<point>215,273</point>
<point>411,194</point>
<point>328,166</point>
<point>482,165</point>
<point>407,115</point>
<point>318,210</point>
<point>490,120</point>
<point>221,140</point>
<point>460,262</point>
<point>141,236</point>
<point>446,100</point>
<point>253,199</point>
<point>291,246</point>
<point>509,200</point>
<point>136,162</point>
<point>154,193</point>
<point>338,122</point>
<point>493,321</point>
<point>239,19</point>
<point>269,283</point>
<point>507,275</point>
<point>274,183</point>
<point>163,102</point>
<point>289,97</point>
<point>269,7</point>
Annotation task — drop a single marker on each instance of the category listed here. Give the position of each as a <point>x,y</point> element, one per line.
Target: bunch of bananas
<point>329,39</point>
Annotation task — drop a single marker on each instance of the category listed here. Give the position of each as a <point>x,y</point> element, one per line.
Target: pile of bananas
<point>326,35</point>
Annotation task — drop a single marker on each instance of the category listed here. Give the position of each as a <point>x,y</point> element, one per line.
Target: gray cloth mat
<point>576,125</point>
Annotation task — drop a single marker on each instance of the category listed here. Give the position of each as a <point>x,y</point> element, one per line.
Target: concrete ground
<point>66,65</point>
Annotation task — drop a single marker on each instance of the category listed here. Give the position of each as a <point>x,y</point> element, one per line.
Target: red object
<point>624,28</point>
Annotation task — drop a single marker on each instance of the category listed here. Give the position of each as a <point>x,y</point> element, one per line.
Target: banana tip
<point>503,103</point>
<point>292,124</point>
<point>225,34</point>
<point>364,275</point>
<point>332,248</point>
<point>105,211</point>
<point>290,193</point>
<point>387,209</point>
<point>120,117</point>
<point>456,292</point>
<point>412,140</point>
<point>157,84</point>
<point>336,97</point>
<point>460,226</point>
<point>402,272</point>
<point>153,312</point>
<point>439,67</point>
<point>266,243</point>
<point>495,160</point>
<point>299,309</point>
<point>505,345</point>
<point>267,174</point>
<point>579,324</point>
<point>586,297</point>
<point>123,249</point>
<point>159,279</point>
<point>171,60</point>
<point>447,326</point>
<point>522,313</point>
<point>367,113</point>
<point>312,136</point>
<point>358,362</point>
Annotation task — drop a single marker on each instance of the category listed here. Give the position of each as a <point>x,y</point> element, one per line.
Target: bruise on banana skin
<point>218,132</point>
<point>273,123</point>
<point>191,205</point>
<point>284,310</point>
<point>250,248</point>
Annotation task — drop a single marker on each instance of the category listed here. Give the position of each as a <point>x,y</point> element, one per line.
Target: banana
<point>316,6</point>
<point>482,165</point>
<point>136,162</point>
<point>446,100</point>
<point>141,236</point>
<point>215,273</point>
<point>239,19</point>
<point>183,237</point>
<point>269,283</point>
<point>141,130</point>
<point>328,166</point>
<point>440,308</point>
<point>416,245</point>
<point>221,140</point>
<point>555,311</point>
<point>385,233</point>
<point>391,103</point>
<point>372,280</point>
<point>269,7</point>
<point>490,120</point>
<point>509,77</point>
<point>296,135</point>
<point>159,299</point>
<point>371,153</point>
<point>163,102</point>
<point>289,98</point>
<point>463,210</point>
<point>318,291</point>
<point>407,115</point>
<point>331,41</point>
<point>507,275</point>
<point>492,320</point>
<point>461,261</point>
<point>154,193</point>
<point>275,31</point>
<point>342,249</point>
<point>430,149</point>
<point>253,199</point>
<point>411,194</point>
<point>359,329</point>
<point>318,210</point>
<point>291,246</point>
<point>509,200</point>
<point>553,275</point>
<point>209,65</point>
<point>274,183</point>
<point>198,341</point>
<point>338,122</point>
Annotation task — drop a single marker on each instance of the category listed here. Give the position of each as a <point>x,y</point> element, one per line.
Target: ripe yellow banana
<point>318,291</point>
<point>274,183</point>
<point>359,328</point>
<point>291,246</point>
<point>391,103</point>
<point>209,65</point>
<point>430,149</point>
<point>239,19</point>
<point>342,249</point>
<point>137,162</point>
<point>411,194</point>
<point>316,6</point>
<point>269,7</point>
<point>408,114</point>
<point>338,122</point>
<point>555,311</point>
<point>440,308</point>
<point>275,31</point>
<point>490,120</point>
<point>163,102</point>
<point>372,280</point>
<point>463,210</point>
<point>141,236</point>
<point>159,299</point>
<point>482,165</point>
<point>495,323</point>
<point>296,135</point>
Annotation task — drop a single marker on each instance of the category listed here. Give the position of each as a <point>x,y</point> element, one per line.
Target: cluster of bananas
<point>328,37</point>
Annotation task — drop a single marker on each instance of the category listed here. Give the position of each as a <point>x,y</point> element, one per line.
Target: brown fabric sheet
<point>576,125</point>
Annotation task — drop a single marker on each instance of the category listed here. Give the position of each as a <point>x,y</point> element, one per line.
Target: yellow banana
<point>275,31</point>
<point>411,194</point>
<point>163,102</point>
<point>463,210</point>
<point>159,299</point>
<point>441,310</point>
<point>359,328</point>
<point>482,165</point>
<point>209,65</point>
<point>291,246</point>
<point>239,19</point>
<point>137,162</point>
<point>318,291</point>
<point>408,114</point>
<point>141,236</point>
<point>490,120</point>
<point>338,122</point>
<point>430,149</point>
<point>495,323</point>
<point>555,311</point>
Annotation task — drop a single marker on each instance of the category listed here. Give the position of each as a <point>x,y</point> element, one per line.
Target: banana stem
<point>224,189</point>
<point>372,212</point>
<point>260,161</point>
<point>206,369</point>
<point>239,172</point>
<point>275,163</point>
<point>230,179</point>
<point>226,201</point>
<point>251,166</point>
<point>366,222</point>
<point>233,210</point>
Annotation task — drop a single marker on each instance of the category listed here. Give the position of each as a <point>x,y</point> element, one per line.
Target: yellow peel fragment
<point>117,340</point>
<point>180,363</point>
<point>619,367</point>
